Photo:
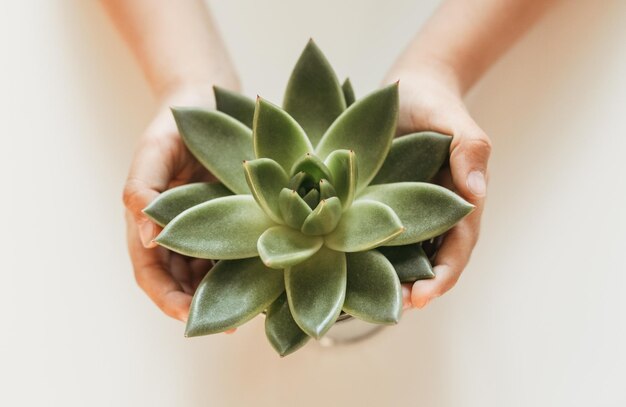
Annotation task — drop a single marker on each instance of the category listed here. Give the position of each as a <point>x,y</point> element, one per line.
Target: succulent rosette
<point>319,209</point>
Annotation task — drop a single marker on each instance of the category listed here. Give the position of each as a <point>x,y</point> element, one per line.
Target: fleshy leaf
<point>368,128</point>
<point>219,142</point>
<point>373,291</point>
<point>235,105</point>
<point>232,293</point>
<point>415,157</point>
<point>348,92</point>
<point>327,190</point>
<point>342,164</point>
<point>277,135</point>
<point>324,218</point>
<point>281,330</point>
<point>224,228</point>
<point>312,198</point>
<point>172,202</point>
<point>426,210</point>
<point>410,262</point>
<point>313,95</point>
<point>316,289</point>
<point>266,179</point>
<point>282,246</point>
<point>293,208</point>
<point>367,224</point>
<point>310,164</point>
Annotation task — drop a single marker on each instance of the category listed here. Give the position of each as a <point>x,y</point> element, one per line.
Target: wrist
<point>427,70</point>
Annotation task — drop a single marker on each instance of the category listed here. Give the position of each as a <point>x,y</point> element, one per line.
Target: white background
<point>538,319</point>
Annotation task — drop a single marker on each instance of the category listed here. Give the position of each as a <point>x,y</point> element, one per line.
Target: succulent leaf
<point>312,198</point>
<point>266,179</point>
<point>415,157</point>
<point>324,218</point>
<point>366,225</point>
<point>426,210</point>
<point>410,262</point>
<point>281,330</point>
<point>224,228</point>
<point>172,202</point>
<point>316,289</point>
<point>326,189</point>
<point>373,291</point>
<point>219,142</point>
<point>311,165</point>
<point>235,105</point>
<point>343,167</point>
<point>293,208</point>
<point>368,128</point>
<point>348,92</point>
<point>277,135</point>
<point>313,96</point>
<point>282,246</point>
<point>250,286</point>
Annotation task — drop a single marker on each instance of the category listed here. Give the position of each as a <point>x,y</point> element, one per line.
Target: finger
<point>152,276</point>
<point>469,155</point>
<point>181,271</point>
<point>151,171</point>
<point>199,268</point>
<point>406,296</point>
<point>451,259</point>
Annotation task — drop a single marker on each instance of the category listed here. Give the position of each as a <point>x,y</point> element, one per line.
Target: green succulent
<point>325,215</point>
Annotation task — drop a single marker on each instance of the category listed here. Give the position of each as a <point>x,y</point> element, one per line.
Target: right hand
<point>162,161</point>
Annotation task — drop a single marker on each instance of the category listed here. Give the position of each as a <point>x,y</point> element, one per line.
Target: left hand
<point>429,101</point>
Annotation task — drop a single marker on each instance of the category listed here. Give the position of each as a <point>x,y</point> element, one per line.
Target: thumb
<point>136,197</point>
<point>469,155</point>
<point>147,177</point>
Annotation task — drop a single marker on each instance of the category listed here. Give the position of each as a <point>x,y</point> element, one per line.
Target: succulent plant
<point>319,209</point>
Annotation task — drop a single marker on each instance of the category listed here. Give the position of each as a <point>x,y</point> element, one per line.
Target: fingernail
<point>476,183</point>
<point>146,233</point>
<point>422,303</point>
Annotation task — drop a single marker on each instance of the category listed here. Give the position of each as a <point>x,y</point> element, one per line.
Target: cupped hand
<point>429,101</point>
<point>161,162</point>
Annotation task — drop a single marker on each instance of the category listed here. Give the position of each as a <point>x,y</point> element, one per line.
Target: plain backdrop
<point>538,318</point>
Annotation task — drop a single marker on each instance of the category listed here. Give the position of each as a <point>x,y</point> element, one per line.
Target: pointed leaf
<point>281,330</point>
<point>316,289</point>
<point>235,105</point>
<point>277,135</point>
<point>293,208</point>
<point>313,96</point>
<point>373,291</point>
<point>327,190</point>
<point>224,228</point>
<point>172,202</point>
<point>324,218</point>
<point>410,262</point>
<point>348,92</point>
<point>312,198</point>
<point>231,293</point>
<point>266,179</point>
<point>343,167</point>
<point>426,210</point>
<point>367,224</point>
<point>282,246</point>
<point>367,127</point>
<point>415,157</point>
<point>312,166</point>
<point>219,142</point>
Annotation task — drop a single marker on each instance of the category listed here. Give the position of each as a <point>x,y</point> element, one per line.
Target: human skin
<point>183,56</point>
<point>446,58</point>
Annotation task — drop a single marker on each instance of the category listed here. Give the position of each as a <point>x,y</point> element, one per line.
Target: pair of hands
<point>162,161</point>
